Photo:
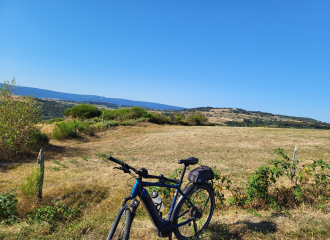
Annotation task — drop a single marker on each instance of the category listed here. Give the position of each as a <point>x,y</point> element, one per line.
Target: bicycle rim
<point>121,227</point>
<point>202,197</point>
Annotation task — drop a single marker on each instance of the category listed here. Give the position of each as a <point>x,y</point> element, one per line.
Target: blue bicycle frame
<point>163,227</point>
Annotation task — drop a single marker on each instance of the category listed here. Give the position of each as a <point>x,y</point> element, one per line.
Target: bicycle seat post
<point>183,172</point>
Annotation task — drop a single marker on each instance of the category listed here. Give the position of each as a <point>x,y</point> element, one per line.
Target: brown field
<point>236,152</point>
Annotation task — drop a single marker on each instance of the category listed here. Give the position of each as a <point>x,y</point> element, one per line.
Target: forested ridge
<point>279,124</point>
<point>55,109</point>
<point>50,109</point>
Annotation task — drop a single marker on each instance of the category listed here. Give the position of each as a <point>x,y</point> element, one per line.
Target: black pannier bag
<point>200,174</point>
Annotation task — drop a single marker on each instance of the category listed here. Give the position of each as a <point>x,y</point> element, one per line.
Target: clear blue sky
<point>262,55</point>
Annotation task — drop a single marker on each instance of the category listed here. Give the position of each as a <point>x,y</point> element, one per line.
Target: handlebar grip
<point>115,160</point>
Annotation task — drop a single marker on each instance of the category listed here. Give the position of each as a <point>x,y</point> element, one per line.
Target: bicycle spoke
<point>183,213</point>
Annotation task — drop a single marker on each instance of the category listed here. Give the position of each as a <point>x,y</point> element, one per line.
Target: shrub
<point>196,118</point>
<point>90,130</point>
<point>158,118</point>
<point>142,119</point>
<point>178,118</point>
<point>258,184</point>
<point>99,127</point>
<point>220,183</point>
<point>83,111</point>
<point>125,114</point>
<point>83,126</point>
<point>8,202</point>
<point>96,119</point>
<point>65,130</point>
<point>309,184</point>
<point>42,139</point>
<point>57,212</point>
<point>19,134</point>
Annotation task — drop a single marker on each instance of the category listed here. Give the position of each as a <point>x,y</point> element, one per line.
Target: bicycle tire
<point>202,196</point>
<point>122,225</point>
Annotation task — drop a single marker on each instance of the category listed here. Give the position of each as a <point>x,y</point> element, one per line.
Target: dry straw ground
<point>236,152</point>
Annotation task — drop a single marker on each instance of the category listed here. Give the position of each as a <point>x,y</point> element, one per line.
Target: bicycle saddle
<point>189,161</point>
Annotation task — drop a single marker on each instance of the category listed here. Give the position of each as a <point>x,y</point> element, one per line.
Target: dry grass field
<point>85,177</point>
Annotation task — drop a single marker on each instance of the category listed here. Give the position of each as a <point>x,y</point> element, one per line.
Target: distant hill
<point>53,105</point>
<point>42,93</point>
<point>243,118</point>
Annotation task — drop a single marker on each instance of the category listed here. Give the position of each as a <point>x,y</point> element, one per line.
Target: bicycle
<point>188,216</point>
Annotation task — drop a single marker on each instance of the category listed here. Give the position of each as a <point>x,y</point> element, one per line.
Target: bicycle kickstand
<point>195,228</point>
<point>170,236</point>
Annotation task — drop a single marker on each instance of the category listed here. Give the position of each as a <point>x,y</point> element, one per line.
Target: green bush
<point>65,130</point>
<point>57,212</point>
<point>258,184</point>
<point>178,118</point>
<point>83,111</point>
<point>310,185</point>
<point>19,115</point>
<point>99,126</point>
<point>90,130</point>
<point>125,114</point>
<point>158,118</point>
<point>8,202</point>
<point>96,119</point>
<point>142,119</point>
<point>42,139</point>
<point>196,118</point>
<point>83,126</point>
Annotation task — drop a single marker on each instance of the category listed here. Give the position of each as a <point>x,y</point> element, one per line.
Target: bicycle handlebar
<point>142,172</point>
<point>125,167</point>
<point>115,160</point>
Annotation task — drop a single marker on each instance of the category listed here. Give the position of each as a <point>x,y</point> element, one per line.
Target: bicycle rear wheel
<point>122,225</point>
<point>202,196</point>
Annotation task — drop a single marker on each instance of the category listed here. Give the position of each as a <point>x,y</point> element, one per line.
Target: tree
<point>19,115</point>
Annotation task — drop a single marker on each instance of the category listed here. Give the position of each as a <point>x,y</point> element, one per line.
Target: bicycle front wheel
<point>122,225</point>
<point>202,196</point>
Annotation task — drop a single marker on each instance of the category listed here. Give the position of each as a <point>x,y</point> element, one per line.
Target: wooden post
<point>294,162</point>
<point>102,117</point>
<point>40,177</point>
<point>74,122</point>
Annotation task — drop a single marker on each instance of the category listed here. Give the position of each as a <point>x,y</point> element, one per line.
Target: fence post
<point>102,117</point>
<point>294,162</point>
<point>74,123</point>
<point>40,177</point>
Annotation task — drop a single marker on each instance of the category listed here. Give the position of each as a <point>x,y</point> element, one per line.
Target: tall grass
<point>71,129</point>
<point>28,185</point>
